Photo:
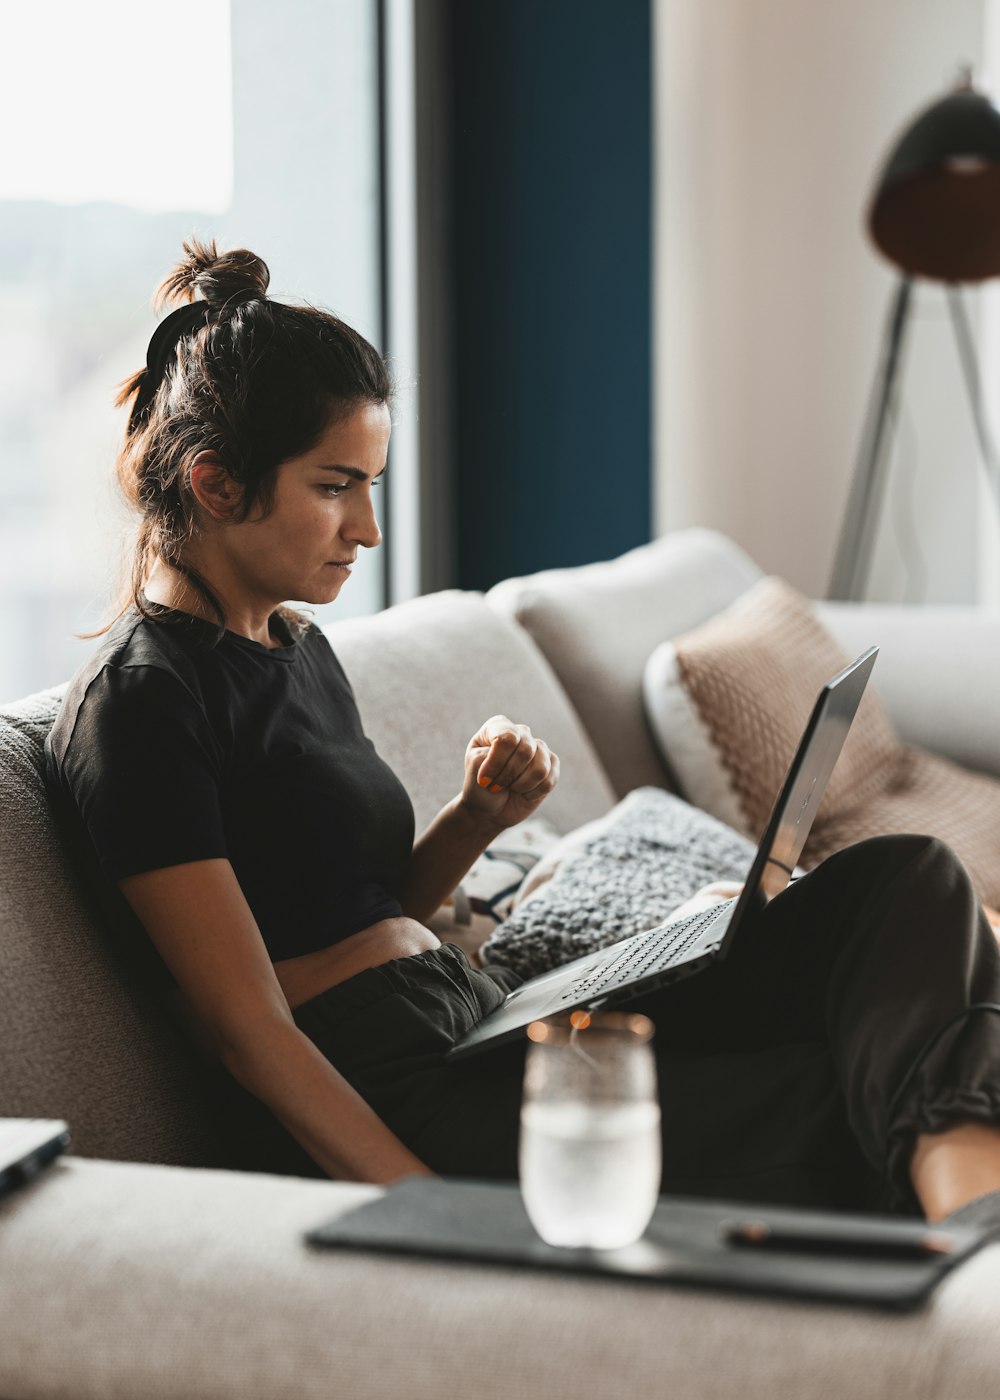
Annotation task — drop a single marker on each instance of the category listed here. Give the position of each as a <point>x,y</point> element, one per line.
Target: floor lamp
<point>935,214</point>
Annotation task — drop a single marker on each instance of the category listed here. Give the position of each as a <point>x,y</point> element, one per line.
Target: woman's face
<point>323,514</point>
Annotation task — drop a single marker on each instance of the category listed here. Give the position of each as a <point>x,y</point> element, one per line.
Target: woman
<point>214,778</point>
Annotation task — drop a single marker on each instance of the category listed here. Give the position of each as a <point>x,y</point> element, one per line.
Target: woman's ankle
<point>951,1168</point>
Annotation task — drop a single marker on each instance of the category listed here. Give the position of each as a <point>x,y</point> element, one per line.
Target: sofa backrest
<point>598,624</point>
<point>79,1038</point>
<point>427,673</point>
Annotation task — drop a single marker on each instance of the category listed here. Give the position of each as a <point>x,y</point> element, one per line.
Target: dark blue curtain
<point>551,166</point>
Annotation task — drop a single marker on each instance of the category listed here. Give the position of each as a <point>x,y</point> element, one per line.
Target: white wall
<point>989,496</point>
<point>773,118</point>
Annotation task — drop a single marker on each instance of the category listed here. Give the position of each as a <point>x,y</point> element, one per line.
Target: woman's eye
<point>336,488</point>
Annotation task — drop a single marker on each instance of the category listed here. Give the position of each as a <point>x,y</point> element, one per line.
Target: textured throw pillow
<point>728,703</point>
<point>486,895</point>
<point>625,872</point>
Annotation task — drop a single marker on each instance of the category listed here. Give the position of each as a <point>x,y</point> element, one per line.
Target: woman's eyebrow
<point>355,472</point>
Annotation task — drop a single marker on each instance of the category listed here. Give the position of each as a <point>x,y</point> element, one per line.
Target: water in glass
<point>590,1130</point>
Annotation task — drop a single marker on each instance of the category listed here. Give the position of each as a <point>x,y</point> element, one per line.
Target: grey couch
<point>142,1267</point>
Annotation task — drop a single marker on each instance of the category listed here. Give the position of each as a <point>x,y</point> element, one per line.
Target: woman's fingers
<point>548,780</point>
<point>536,773</point>
<point>516,760</point>
<point>510,754</point>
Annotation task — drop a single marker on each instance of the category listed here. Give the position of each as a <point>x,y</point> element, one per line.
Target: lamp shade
<point>935,212</point>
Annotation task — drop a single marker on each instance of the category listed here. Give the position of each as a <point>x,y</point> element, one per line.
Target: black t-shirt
<point>167,750</point>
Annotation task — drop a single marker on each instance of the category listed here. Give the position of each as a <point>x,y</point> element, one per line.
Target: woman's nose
<point>362,525</point>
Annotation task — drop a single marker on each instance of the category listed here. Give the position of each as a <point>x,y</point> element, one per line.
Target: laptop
<point>27,1145</point>
<point>682,947</point>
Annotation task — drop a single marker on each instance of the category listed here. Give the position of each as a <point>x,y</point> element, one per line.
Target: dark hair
<point>258,382</point>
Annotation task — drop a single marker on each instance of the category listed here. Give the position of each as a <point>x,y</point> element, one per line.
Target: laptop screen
<point>795,809</point>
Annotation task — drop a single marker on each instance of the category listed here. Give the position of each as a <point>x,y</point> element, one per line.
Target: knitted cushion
<point>729,701</point>
<point>621,874</point>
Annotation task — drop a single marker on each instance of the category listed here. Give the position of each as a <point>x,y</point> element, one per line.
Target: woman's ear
<point>213,487</point>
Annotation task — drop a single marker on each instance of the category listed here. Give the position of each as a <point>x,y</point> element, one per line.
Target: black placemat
<point>486,1222</point>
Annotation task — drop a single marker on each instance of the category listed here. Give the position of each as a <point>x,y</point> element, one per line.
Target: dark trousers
<point>860,1008</point>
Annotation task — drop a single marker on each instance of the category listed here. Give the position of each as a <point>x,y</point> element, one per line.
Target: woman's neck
<point>170,589</point>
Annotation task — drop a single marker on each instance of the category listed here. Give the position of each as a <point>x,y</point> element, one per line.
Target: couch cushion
<point>751,676</point>
<point>427,673</point>
<point>626,872</point>
<point>597,624</point>
<point>121,1281</point>
<point>78,1039</point>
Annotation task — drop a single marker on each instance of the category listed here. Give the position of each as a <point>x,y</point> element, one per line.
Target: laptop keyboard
<point>645,953</point>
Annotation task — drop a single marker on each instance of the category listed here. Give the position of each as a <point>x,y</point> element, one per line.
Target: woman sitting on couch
<point>213,776</point>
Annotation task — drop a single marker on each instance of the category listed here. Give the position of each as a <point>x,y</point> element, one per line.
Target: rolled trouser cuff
<point>954,1079</point>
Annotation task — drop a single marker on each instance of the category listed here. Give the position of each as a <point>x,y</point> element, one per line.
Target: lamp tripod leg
<point>970,371</point>
<point>857,532</point>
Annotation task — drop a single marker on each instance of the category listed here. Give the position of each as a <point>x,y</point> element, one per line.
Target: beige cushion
<point>427,673</point>
<point>685,739</point>
<point>148,1283</point>
<point>597,624</point>
<point>752,675</point>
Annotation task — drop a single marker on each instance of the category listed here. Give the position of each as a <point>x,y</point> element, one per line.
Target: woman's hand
<point>508,773</point>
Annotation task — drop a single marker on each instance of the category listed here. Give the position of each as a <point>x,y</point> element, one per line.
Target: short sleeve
<point>142,769</point>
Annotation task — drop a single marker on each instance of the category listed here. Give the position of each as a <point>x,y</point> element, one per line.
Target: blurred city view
<point>77,273</point>
<point>75,319</point>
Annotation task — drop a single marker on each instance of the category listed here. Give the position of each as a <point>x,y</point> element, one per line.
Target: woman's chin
<point>326,589</point>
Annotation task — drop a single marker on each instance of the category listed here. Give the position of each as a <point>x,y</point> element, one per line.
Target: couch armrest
<point>119,1280</point>
<point>938,673</point>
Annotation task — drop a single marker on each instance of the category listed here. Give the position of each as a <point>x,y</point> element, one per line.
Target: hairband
<point>164,342</point>
<point>162,345</point>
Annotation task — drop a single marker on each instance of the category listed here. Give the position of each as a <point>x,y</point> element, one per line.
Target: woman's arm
<point>203,928</point>
<point>508,772</point>
<point>455,839</point>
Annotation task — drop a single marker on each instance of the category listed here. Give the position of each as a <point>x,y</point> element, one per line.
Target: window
<point>254,124</point>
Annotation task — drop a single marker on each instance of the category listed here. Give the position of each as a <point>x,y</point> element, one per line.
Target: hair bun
<point>238,275</point>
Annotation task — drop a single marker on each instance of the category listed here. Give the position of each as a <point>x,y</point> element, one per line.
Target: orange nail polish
<point>496,788</point>
<point>484,780</point>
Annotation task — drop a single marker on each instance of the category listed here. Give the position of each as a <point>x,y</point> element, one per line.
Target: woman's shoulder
<point>139,670</point>
<point>150,649</point>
